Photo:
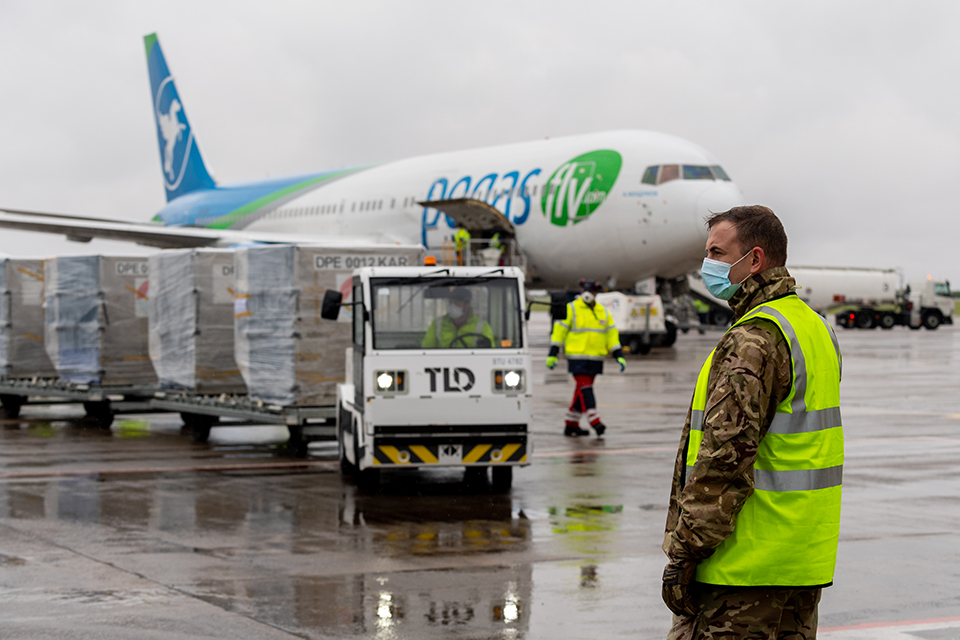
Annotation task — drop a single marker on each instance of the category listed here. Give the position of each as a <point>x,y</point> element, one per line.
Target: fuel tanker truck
<point>868,298</point>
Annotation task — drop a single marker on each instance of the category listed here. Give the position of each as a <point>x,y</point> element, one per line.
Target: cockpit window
<point>720,173</point>
<point>941,289</point>
<point>669,172</point>
<point>693,172</point>
<point>658,174</point>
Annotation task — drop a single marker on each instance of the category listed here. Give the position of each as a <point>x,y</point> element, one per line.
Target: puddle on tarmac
<point>486,602</point>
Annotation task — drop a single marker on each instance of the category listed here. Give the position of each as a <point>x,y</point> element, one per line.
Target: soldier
<point>754,515</point>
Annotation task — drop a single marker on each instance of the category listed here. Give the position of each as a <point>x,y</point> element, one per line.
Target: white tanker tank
<point>868,298</point>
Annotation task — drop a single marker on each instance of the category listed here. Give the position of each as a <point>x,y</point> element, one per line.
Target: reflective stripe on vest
<point>787,532</point>
<point>456,332</point>
<point>590,332</point>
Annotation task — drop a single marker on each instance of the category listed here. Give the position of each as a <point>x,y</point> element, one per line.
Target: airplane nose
<point>716,198</point>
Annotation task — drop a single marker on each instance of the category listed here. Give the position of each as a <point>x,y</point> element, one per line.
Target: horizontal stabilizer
<point>473,215</point>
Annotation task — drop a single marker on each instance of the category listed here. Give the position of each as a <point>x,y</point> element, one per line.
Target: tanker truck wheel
<point>865,320</point>
<point>887,321</point>
<point>931,320</point>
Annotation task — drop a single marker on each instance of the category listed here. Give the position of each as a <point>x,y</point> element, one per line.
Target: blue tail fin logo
<point>183,167</point>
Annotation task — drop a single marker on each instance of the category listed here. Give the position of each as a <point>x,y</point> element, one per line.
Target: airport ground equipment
<point>420,392</point>
<point>96,319</point>
<point>100,402</point>
<point>870,298</point>
<point>200,413</point>
<point>21,320</point>
<point>640,319</point>
<point>191,321</point>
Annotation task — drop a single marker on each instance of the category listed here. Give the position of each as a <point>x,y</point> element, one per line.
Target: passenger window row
<point>371,205</point>
<point>658,174</point>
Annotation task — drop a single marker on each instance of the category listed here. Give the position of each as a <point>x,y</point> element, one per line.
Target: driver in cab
<point>460,327</point>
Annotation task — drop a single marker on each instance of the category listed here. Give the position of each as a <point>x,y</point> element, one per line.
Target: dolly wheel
<point>100,412</point>
<point>11,405</point>
<point>198,425</point>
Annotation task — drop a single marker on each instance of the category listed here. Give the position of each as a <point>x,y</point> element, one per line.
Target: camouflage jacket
<point>750,375</point>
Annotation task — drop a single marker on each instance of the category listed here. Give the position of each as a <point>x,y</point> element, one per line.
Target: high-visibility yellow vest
<point>461,238</point>
<point>787,532</point>
<point>443,334</point>
<point>586,333</point>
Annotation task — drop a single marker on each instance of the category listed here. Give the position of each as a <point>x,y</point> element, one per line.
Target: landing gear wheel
<point>502,479</point>
<point>100,413</point>
<point>671,335</point>
<point>887,321</point>
<point>198,425</point>
<point>11,405</point>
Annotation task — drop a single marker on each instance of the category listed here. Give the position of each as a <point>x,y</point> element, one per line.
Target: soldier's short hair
<point>756,226</point>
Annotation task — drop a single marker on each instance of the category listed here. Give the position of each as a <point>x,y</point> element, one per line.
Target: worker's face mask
<point>588,297</point>
<point>716,276</point>
<point>456,311</point>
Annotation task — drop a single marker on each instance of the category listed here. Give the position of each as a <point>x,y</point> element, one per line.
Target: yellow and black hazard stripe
<point>426,454</point>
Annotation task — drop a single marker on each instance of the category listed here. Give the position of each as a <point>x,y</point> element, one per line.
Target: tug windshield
<point>446,313</point>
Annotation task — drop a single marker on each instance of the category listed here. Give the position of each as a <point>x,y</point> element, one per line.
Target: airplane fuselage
<point>578,204</point>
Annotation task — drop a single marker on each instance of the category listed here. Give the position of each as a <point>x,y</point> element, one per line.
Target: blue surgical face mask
<point>716,276</point>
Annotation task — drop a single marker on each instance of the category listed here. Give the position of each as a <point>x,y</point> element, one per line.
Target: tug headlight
<point>389,382</point>
<point>508,381</point>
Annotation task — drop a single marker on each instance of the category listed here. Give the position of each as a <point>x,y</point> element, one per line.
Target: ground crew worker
<point>703,310</point>
<point>587,335</point>
<point>462,241</point>
<point>459,327</point>
<point>498,244</point>
<point>754,514</point>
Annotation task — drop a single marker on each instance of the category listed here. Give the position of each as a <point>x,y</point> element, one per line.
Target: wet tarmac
<point>139,532</point>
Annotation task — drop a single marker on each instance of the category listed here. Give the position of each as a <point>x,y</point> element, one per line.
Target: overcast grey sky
<point>841,116</point>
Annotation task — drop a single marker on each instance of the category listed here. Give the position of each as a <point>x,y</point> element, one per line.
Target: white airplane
<point>617,207</point>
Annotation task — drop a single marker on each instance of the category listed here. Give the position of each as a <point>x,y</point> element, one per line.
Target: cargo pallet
<point>201,412</point>
<point>101,402</point>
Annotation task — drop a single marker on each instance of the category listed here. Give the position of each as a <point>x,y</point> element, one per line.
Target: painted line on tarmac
<point>224,467</point>
<point>901,630</point>
<point>580,452</point>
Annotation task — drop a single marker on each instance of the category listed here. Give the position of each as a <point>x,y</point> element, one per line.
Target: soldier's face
<point>724,245</point>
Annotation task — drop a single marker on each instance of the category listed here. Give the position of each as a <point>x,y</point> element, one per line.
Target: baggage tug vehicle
<point>439,372</point>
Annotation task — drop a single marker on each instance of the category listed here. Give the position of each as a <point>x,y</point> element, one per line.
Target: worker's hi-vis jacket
<point>443,334</point>
<point>786,534</point>
<point>586,334</point>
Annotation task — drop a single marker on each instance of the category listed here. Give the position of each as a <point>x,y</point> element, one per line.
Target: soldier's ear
<point>758,260</point>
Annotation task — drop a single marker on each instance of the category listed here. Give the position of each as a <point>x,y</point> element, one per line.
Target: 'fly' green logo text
<point>577,188</point>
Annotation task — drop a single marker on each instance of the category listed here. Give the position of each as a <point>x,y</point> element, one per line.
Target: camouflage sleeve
<point>750,375</point>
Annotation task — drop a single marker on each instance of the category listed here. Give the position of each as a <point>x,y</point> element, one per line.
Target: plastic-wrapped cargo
<point>96,319</point>
<point>288,354</point>
<point>21,320</point>
<point>191,321</point>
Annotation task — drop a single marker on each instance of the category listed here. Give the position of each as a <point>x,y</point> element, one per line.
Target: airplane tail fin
<point>183,167</point>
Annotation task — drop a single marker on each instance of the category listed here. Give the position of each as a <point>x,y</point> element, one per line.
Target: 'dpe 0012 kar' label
<point>355,261</point>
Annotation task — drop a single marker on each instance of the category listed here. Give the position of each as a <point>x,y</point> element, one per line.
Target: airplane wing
<point>85,229</point>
